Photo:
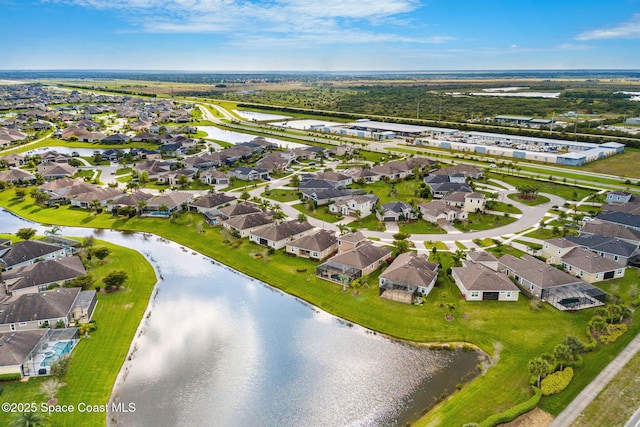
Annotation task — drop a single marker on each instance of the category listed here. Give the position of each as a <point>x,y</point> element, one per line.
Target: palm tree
<point>141,205</point>
<point>343,228</point>
<point>563,354</point>
<point>163,208</point>
<point>94,205</point>
<point>302,217</point>
<point>539,368</point>
<point>50,387</point>
<point>357,214</point>
<point>55,231</point>
<point>400,246</point>
<point>30,419</point>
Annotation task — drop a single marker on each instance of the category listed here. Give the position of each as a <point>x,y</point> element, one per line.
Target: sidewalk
<point>589,393</point>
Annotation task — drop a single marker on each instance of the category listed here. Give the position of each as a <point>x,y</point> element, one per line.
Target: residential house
<point>309,182</point>
<point>103,196</point>
<point>238,209</point>
<point>326,196</point>
<point>250,174</point>
<point>609,229</point>
<point>203,162</point>
<point>440,186</point>
<point>133,200</point>
<point>36,310</point>
<point>360,261</point>
<point>318,246</point>
<point>618,196</point>
<point>215,177</point>
<point>363,175</point>
<point>622,218</point>
<point>210,201</point>
<point>39,276</point>
<point>392,170</point>
<point>467,170</point>
<point>477,282</point>
<point>116,138</point>
<point>554,249</point>
<point>277,161</point>
<point>112,154</point>
<point>484,258</point>
<point>439,212</point>
<point>51,171</point>
<point>355,206</point>
<point>558,288</point>
<point>63,189</point>
<point>614,249</point>
<point>349,241</point>
<point>169,202</point>
<point>173,177</point>
<point>395,211</point>
<point>18,177</point>
<point>244,225</point>
<point>469,202</point>
<point>336,179</point>
<point>409,276</point>
<point>53,156</point>
<point>28,252</point>
<point>12,160</point>
<point>17,350</point>
<point>591,267</point>
<point>277,235</point>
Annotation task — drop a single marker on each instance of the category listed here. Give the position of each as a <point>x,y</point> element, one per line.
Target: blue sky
<point>327,35</point>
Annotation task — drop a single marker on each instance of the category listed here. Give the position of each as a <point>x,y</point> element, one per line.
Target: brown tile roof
<point>412,269</point>
<point>537,272</point>
<point>283,230</point>
<point>245,222</point>
<point>318,242</point>
<point>25,251</point>
<point>590,262</point>
<point>39,306</point>
<point>477,277</point>
<point>243,208</point>
<point>212,200</point>
<point>361,256</point>
<point>44,272</point>
<point>16,346</point>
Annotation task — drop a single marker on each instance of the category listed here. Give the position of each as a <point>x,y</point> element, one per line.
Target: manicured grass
<point>370,222</point>
<point>522,334</point>
<point>500,250</point>
<point>625,164</point>
<point>322,213</point>
<point>54,142</point>
<point>438,245</point>
<point>387,192</point>
<point>97,360</point>
<point>420,226</point>
<point>534,246</point>
<point>567,192</point>
<point>541,233</point>
<point>460,246</point>
<point>530,202</point>
<point>502,207</point>
<point>282,195</point>
<point>483,243</point>
<point>123,171</point>
<point>481,221</point>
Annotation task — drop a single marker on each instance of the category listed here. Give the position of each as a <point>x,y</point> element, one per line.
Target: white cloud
<point>308,21</point>
<point>625,30</point>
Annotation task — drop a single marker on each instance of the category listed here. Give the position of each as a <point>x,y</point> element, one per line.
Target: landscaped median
<point>96,360</point>
<point>521,333</point>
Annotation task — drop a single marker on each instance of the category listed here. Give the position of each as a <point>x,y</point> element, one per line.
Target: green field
<point>625,164</point>
<point>529,202</point>
<point>482,221</point>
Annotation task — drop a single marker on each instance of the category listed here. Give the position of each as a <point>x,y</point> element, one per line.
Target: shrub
<point>513,412</point>
<point>60,366</point>
<point>636,301</point>
<point>9,377</point>
<point>615,332</point>
<point>556,382</point>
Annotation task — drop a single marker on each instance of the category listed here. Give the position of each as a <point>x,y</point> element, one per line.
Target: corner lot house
<point>408,276</point>
<point>244,225</point>
<point>478,282</point>
<point>439,212</point>
<point>39,276</point>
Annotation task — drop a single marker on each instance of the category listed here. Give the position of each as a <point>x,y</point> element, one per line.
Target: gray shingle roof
<point>44,272</point>
<point>584,259</point>
<point>25,251</point>
<point>39,306</point>
<point>361,256</point>
<point>411,269</point>
<point>16,346</point>
<point>283,230</point>
<point>318,242</point>
<point>477,277</point>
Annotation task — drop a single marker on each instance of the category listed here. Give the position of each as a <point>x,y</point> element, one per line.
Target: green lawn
<point>420,226</point>
<point>502,207</point>
<point>387,192</point>
<point>482,221</point>
<point>460,246</point>
<point>567,192</point>
<point>322,212</point>
<point>541,233</point>
<point>520,333</point>
<point>123,171</point>
<point>97,360</point>
<point>483,243</point>
<point>282,195</point>
<point>54,142</point>
<point>534,246</point>
<point>438,245</point>
<point>370,222</point>
<point>530,202</point>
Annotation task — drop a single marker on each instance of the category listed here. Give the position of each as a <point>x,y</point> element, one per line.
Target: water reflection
<point>222,349</point>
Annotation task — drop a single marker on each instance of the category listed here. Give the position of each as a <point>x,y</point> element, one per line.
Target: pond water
<point>222,349</point>
<point>83,152</point>
<point>236,137</point>
<point>252,115</point>
<point>305,123</point>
